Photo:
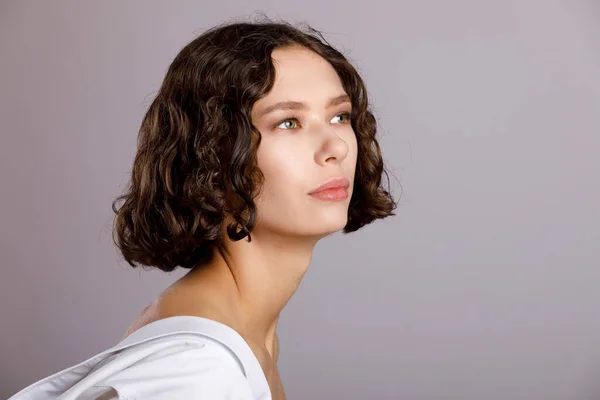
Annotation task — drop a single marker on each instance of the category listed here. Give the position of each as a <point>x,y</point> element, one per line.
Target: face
<point>307,140</point>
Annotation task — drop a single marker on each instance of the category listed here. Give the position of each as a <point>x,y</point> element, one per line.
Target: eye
<point>289,123</point>
<point>345,117</point>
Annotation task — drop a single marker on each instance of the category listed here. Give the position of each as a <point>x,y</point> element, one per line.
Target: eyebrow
<point>298,105</point>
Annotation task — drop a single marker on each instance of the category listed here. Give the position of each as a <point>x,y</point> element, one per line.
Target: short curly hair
<point>197,147</point>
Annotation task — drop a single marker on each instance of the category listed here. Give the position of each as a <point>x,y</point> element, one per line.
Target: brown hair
<point>197,147</point>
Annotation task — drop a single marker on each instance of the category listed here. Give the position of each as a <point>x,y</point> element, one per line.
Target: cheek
<point>352,150</point>
<point>283,168</point>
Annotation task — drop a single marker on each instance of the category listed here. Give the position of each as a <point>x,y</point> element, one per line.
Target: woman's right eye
<point>289,123</point>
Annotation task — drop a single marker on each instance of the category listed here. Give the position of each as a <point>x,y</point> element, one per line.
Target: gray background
<point>484,286</point>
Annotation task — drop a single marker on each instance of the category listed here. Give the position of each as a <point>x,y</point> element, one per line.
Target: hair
<point>196,157</point>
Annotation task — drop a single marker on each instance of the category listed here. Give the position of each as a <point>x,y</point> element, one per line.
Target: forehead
<point>302,75</point>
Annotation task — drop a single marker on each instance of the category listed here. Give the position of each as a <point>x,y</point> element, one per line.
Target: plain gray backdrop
<point>485,285</point>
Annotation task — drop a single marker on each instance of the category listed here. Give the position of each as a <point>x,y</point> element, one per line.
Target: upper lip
<point>332,183</point>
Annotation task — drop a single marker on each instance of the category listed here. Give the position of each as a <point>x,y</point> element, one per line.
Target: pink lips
<point>335,189</point>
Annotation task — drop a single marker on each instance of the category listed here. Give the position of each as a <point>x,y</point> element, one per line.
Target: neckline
<point>215,330</point>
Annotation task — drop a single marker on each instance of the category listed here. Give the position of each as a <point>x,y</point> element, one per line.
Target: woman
<point>259,143</point>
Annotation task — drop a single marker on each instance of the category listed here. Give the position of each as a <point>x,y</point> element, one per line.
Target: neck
<point>262,276</point>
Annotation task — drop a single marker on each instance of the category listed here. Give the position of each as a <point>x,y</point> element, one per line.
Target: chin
<point>330,225</point>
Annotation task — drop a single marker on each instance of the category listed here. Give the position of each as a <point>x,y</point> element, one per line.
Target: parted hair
<point>196,151</point>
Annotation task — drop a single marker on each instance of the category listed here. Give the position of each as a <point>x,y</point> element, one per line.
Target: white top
<point>181,357</point>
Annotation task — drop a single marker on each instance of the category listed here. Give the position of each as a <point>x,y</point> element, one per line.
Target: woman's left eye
<point>345,118</point>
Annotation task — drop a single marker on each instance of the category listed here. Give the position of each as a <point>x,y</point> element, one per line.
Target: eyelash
<point>348,115</point>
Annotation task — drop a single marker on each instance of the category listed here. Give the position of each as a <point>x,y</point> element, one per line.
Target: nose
<point>332,148</point>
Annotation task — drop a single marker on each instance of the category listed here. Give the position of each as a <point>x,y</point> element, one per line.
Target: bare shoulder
<point>148,315</point>
<point>178,300</point>
<point>167,304</point>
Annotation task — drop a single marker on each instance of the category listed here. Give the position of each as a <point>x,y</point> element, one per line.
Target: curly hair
<point>197,145</point>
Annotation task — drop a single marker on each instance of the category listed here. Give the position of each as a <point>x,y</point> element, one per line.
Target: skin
<point>246,285</point>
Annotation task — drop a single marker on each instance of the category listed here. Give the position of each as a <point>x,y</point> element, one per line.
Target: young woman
<point>259,143</point>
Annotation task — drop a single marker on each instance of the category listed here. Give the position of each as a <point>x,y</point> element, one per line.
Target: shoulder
<point>182,369</point>
<point>181,300</point>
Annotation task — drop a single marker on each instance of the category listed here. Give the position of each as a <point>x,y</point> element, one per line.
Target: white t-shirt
<point>181,357</point>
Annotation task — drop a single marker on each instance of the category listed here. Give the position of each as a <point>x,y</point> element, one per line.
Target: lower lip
<point>335,194</point>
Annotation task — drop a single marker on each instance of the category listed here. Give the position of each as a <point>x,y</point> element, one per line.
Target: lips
<point>335,183</point>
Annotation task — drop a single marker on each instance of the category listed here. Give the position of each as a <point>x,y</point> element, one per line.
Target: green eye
<point>290,123</point>
<point>345,118</point>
